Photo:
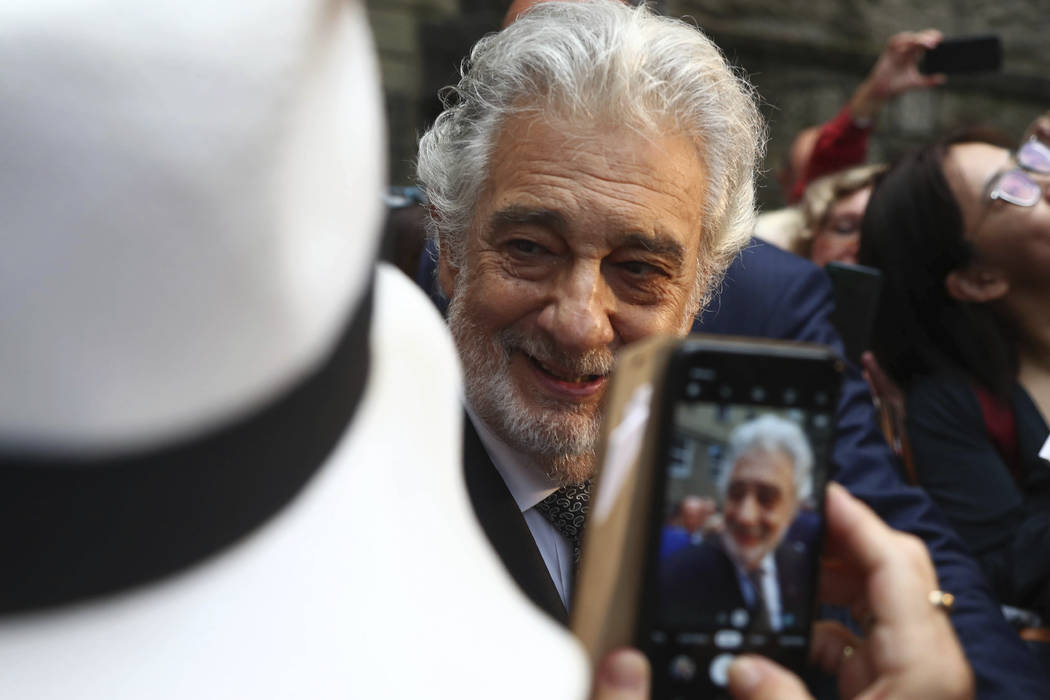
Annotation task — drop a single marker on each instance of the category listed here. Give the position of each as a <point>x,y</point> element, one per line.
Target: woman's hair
<point>822,193</point>
<point>608,65</point>
<point>913,231</point>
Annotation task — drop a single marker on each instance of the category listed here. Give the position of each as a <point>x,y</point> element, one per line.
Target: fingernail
<point>625,669</point>
<point>744,674</point>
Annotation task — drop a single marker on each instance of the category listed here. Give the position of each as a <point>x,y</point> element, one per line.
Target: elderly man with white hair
<point>764,485</point>
<point>590,181</point>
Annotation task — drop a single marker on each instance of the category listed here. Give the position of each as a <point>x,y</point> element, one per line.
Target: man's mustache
<point>599,361</point>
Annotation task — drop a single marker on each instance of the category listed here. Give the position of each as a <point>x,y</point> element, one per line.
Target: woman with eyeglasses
<point>961,231</point>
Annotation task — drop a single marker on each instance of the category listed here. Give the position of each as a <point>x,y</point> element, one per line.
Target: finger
<point>929,37</point>
<point>757,678</point>
<point>854,532</point>
<point>831,643</point>
<point>840,584</point>
<point>896,567</point>
<point>837,651</point>
<point>622,675</point>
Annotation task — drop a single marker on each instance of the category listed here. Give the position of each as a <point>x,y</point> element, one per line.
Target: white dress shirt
<point>528,485</point>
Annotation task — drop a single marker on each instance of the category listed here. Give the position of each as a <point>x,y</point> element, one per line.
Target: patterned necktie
<point>762,622</point>
<point>566,510</point>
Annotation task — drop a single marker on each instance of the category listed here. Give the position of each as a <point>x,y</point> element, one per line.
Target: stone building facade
<point>804,56</point>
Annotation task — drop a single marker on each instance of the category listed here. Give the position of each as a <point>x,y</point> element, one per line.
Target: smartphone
<point>856,289</point>
<point>736,519</point>
<point>971,54</point>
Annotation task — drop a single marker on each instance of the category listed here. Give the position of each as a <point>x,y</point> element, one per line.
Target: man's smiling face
<point>583,240</point>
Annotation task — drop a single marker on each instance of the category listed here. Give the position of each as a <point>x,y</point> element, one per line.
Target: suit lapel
<point>505,527</point>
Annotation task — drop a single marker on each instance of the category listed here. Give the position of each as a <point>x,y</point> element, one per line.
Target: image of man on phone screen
<point>755,574</point>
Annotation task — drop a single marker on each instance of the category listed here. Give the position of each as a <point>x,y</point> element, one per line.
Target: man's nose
<point>577,316</point>
<point>747,512</point>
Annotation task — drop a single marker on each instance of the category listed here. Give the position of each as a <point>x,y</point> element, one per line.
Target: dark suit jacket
<point>773,294</point>
<point>705,572</point>
<point>505,527</point>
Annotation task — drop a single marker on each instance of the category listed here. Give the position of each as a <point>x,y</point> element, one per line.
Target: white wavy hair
<point>599,62</point>
<point>770,434</point>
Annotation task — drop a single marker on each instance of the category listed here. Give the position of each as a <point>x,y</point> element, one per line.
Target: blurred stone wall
<point>804,56</point>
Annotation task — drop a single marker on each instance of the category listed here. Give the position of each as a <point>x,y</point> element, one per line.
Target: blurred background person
<point>843,141</point>
<point>832,209</point>
<point>693,518</point>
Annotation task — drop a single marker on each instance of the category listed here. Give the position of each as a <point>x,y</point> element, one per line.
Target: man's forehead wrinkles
<point>612,181</point>
<point>630,195</point>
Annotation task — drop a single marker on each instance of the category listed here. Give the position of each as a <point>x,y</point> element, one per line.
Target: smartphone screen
<point>737,513</point>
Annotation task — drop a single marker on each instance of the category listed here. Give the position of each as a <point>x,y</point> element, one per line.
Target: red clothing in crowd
<point>841,143</point>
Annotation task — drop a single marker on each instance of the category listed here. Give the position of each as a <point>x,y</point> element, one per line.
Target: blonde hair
<point>823,192</point>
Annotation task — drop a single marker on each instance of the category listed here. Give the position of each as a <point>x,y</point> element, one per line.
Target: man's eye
<point>526,247</point>
<point>639,268</point>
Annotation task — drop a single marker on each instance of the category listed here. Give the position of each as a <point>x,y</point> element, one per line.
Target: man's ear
<point>446,271</point>
<point>977,283</point>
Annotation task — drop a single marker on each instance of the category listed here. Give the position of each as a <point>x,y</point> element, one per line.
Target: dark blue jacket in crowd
<point>770,293</point>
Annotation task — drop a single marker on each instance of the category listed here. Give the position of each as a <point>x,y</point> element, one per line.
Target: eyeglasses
<point>1016,186</point>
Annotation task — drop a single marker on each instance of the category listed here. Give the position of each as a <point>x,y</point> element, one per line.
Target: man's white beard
<point>561,436</point>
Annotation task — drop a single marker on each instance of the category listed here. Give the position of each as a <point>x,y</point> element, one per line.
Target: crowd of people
<point>240,460</point>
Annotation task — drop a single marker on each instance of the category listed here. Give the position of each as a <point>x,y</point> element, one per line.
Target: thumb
<point>757,678</point>
<point>622,675</point>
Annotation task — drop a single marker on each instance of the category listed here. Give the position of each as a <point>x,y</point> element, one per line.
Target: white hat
<point>191,205</point>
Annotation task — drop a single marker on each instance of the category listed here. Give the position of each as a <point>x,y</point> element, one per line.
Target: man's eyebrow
<point>663,246</point>
<point>529,216</point>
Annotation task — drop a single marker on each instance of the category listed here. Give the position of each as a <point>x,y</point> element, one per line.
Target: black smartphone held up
<point>856,289</point>
<point>970,54</point>
<point>736,520</point>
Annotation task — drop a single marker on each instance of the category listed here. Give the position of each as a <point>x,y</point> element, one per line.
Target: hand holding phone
<point>880,570</point>
<point>747,426</point>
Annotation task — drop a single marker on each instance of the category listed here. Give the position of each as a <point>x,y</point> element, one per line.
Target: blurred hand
<point>622,675</point>
<point>896,71</point>
<point>884,577</point>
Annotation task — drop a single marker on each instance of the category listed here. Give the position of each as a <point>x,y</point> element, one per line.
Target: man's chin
<point>750,556</point>
<point>571,469</point>
<point>561,442</point>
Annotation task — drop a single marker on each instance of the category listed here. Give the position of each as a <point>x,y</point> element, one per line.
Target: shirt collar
<point>527,484</point>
